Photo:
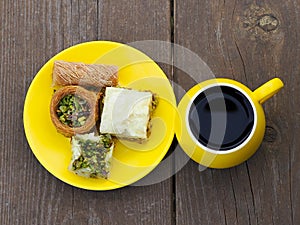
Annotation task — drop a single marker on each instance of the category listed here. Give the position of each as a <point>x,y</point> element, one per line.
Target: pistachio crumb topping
<point>73,110</point>
<point>93,158</point>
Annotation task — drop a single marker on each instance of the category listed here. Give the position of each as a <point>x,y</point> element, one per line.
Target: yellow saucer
<point>131,161</point>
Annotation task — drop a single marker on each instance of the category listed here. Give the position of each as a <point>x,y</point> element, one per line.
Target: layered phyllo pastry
<point>74,110</point>
<point>76,73</point>
<point>91,155</point>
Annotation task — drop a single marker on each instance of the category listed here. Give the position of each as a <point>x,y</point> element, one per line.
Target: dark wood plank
<point>32,32</point>
<point>29,194</point>
<point>230,37</point>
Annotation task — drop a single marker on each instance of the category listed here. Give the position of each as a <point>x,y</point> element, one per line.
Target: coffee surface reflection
<point>221,118</point>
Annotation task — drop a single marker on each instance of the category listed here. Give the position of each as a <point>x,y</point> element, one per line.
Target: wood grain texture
<point>236,43</point>
<point>31,33</point>
<point>232,37</point>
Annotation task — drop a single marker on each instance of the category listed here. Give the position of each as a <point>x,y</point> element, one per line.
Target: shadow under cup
<point>221,118</point>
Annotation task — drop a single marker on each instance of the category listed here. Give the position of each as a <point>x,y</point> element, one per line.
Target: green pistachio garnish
<point>73,111</point>
<point>154,103</point>
<point>93,156</point>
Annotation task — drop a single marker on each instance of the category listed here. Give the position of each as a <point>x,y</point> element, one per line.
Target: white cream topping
<point>126,112</point>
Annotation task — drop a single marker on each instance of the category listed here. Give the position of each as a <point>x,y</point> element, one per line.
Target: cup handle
<point>267,90</point>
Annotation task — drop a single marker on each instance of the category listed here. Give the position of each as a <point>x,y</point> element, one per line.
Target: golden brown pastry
<point>74,110</point>
<point>76,73</point>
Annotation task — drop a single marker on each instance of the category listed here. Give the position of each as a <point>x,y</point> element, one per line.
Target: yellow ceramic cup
<point>210,157</point>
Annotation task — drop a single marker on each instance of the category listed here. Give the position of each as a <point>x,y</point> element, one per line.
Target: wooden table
<point>250,41</point>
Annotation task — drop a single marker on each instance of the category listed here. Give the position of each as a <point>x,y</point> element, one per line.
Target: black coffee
<point>221,118</point>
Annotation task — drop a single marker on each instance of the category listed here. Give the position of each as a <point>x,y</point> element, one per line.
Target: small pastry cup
<point>92,100</point>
